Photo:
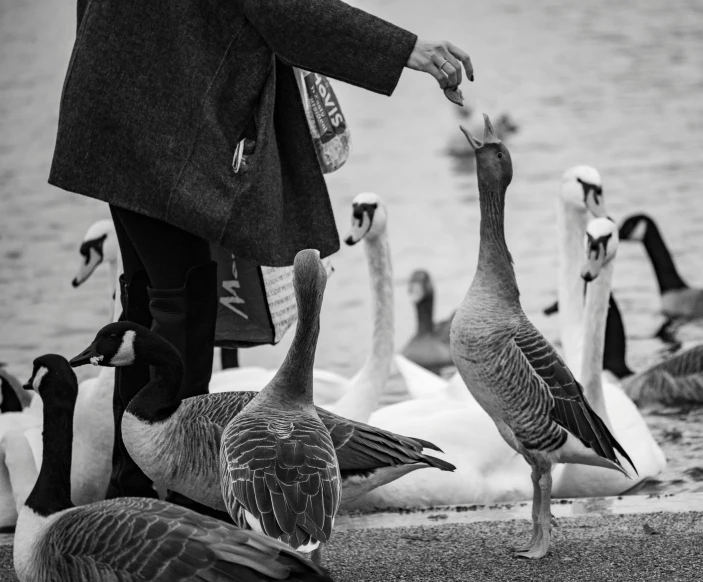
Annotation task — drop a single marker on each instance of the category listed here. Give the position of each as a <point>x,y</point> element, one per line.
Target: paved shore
<point>618,539</point>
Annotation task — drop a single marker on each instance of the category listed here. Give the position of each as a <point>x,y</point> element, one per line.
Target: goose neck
<point>159,399</point>
<point>52,489</point>
<point>425,315</point>
<point>664,268</point>
<point>292,383</point>
<point>495,263</point>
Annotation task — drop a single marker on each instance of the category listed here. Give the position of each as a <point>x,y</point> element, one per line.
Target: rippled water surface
<point>615,85</point>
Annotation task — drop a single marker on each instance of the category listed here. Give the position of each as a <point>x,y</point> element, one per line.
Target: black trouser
<point>169,285</point>
<point>164,251</point>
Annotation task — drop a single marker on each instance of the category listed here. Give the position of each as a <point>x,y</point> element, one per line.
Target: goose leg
<point>536,504</point>
<point>544,520</point>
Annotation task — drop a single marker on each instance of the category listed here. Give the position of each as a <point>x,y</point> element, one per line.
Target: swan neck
<point>362,399</point>
<point>571,228</point>
<point>116,270</point>
<point>596,313</point>
<point>52,489</point>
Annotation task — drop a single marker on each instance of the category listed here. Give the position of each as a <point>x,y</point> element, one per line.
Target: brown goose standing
<point>511,369</point>
<point>280,473</point>
<point>177,442</point>
<point>127,538</point>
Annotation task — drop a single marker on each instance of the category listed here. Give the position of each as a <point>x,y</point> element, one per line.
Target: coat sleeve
<point>334,39</point>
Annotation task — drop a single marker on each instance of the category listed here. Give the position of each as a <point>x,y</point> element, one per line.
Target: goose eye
<point>500,155</point>
<point>113,336</point>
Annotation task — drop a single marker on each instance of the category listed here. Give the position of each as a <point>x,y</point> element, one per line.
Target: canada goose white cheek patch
<point>639,232</point>
<point>125,354</point>
<point>41,372</point>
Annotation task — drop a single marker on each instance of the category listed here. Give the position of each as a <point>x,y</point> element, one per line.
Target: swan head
<point>600,247</point>
<point>309,278</point>
<point>420,286</point>
<point>117,344</point>
<point>493,163</point>
<point>52,375</point>
<point>582,188</point>
<point>369,218</point>
<point>99,245</point>
<point>635,227</point>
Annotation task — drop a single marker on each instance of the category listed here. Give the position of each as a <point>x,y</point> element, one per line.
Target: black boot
<point>186,317</point>
<point>127,479</point>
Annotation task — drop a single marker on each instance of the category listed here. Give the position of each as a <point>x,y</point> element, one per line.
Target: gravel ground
<point>652,547</point>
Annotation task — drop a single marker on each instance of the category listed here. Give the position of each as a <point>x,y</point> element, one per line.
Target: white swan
<point>358,397</point>
<point>21,440</point>
<point>605,395</point>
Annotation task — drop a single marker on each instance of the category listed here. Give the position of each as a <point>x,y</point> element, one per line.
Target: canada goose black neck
<point>292,384</point>
<point>615,343</point>
<point>52,489</point>
<point>158,400</point>
<point>664,268</point>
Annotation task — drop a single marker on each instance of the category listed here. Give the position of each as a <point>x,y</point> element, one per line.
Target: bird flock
<point>280,452</point>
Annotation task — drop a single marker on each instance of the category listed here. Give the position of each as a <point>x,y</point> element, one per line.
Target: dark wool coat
<point>158,93</point>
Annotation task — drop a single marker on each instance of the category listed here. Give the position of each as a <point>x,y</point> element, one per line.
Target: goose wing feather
<point>284,472</point>
<point>569,407</point>
<point>130,539</point>
<point>220,407</point>
<point>362,447</point>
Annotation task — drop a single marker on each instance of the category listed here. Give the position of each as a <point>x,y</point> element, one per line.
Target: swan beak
<point>88,356</point>
<point>592,269</point>
<point>475,143</point>
<point>86,269</point>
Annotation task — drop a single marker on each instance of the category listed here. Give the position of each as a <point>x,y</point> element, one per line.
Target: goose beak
<point>28,386</point>
<point>88,356</point>
<point>489,134</point>
<point>475,143</point>
<point>416,291</point>
<point>86,269</point>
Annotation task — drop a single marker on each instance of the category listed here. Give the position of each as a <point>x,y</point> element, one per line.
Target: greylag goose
<point>429,347</point>
<point>511,369</point>
<point>280,473</point>
<point>678,299</point>
<point>126,538</point>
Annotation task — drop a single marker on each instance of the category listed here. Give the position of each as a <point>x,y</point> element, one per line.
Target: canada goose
<point>510,368</point>
<point>126,538</point>
<point>678,299</point>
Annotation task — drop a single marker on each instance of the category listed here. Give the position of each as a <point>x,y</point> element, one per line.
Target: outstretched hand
<point>442,60</point>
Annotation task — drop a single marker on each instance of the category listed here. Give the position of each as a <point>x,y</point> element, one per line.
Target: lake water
<point>614,85</point>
